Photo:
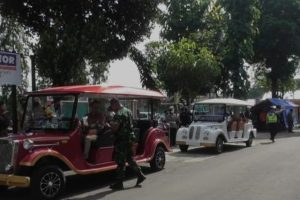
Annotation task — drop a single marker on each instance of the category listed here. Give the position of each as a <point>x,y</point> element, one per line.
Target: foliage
<point>144,66</point>
<point>14,39</point>
<point>277,47</point>
<point>187,68</point>
<point>74,33</point>
<point>266,85</point>
<point>188,59</point>
<point>242,17</point>
<point>297,83</point>
<point>225,28</point>
<point>256,92</point>
<point>183,18</point>
<point>212,36</point>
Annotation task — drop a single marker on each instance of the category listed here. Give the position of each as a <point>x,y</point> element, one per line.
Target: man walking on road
<point>273,120</point>
<point>122,127</point>
<point>290,121</point>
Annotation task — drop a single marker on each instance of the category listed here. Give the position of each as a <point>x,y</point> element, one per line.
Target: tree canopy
<point>77,39</point>
<point>225,28</point>
<point>13,39</point>
<point>241,21</point>
<point>73,34</point>
<point>277,47</point>
<point>182,18</point>
<point>186,68</point>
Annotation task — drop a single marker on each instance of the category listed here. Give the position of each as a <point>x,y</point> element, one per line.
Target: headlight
<point>8,168</point>
<point>27,144</point>
<point>184,134</point>
<point>206,132</point>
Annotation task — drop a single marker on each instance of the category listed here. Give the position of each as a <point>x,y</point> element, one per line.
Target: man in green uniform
<point>122,127</point>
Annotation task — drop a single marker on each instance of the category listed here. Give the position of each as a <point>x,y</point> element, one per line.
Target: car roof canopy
<point>226,101</point>
<point>106,91</point>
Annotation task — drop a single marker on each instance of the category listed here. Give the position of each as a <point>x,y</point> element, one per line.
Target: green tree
<point>242,18</point>
<point>201,23</point>
<point>212,36</point>
<point>182,18</point>
<point>297,82</point>
<point>187,68</point>
<point>256,92</point>
<point>75,33</point>
<point>226,28</point>
<point>277,47</point>
<point>145,68</point>
<point>14,38</point>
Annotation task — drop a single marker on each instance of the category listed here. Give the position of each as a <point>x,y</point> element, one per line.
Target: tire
<point>250,140</point>
<point>48,183</point>
<point>159,159</point>
<point>219,145</point>
<point>183,148</point>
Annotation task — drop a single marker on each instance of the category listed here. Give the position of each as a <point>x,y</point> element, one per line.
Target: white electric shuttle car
<point>215,122</point>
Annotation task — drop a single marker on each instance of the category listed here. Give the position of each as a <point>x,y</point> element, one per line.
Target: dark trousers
<point>123,153</point>
<point>273,128</point>
<point>290,127</point>
<point>173,132</point>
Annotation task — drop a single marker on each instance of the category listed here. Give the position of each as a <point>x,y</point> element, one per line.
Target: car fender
<point>182,134</point>
<point>253,131</point>
<point>154,139</point>
<point>158,142</point>
<point>31,159</point>
<point>212,133</point>
<point>220,133</point>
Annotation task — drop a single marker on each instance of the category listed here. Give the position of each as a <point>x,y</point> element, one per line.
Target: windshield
<point>49,112</point>
<point>140,108</point>
<point>209,112</point>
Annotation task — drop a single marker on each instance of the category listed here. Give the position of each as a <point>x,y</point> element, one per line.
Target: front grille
<point>191,133</point>
<point>198,133</point>
<point>8,150</point>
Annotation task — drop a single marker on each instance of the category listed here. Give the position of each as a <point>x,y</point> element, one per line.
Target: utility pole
<point>14,108</point>
<point>33,81</point>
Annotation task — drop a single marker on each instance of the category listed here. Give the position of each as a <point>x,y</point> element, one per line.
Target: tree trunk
<point>274,88</point>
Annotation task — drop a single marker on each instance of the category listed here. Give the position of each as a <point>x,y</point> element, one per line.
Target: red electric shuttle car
<point>54,131</point>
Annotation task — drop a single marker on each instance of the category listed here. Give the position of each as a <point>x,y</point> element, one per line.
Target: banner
<point>10,69</point>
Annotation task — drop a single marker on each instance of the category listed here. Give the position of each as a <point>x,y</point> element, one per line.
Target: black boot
<point>118,185</point>
<point>140,179</point>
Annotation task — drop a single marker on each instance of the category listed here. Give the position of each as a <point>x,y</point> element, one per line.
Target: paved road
<point>265,171</point>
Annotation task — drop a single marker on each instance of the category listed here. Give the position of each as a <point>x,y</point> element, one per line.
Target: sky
<point>124,72</point>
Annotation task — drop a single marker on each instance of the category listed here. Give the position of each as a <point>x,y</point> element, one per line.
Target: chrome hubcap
<point>50,184</point>
<point>220,145</point>
<point>160,159</point>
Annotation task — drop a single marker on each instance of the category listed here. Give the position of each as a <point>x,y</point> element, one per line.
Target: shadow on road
<point>15,194</point>
<point>280,134</point>
<point>206,151</point>
<point>266,143</point>
<point>80,187</point>
<point>79,184</point>
<point>100,194</point>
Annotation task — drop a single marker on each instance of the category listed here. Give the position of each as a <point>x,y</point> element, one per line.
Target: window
<point>49,112</point>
